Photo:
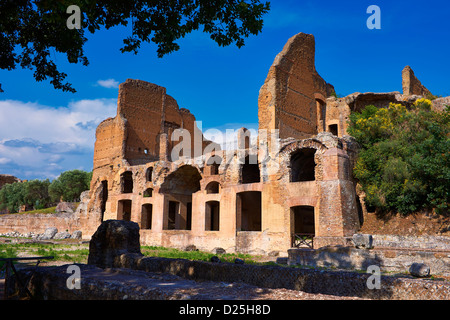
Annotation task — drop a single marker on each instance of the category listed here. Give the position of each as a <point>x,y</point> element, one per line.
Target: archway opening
<point>178,188</point>
<point>248,211</point>
<point>303,165</point>
<point>103,198</point>
<point>126,182</point>
<point>212,215</point>
<point>213,165</point>
<point>250,170</point>
<point>146,216</point>
<point>213,187</point>
<point>303,226</point>
<point>149,174</point>
<point>124,210</point>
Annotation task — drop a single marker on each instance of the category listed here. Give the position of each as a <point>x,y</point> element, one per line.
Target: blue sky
<point>44,132</point>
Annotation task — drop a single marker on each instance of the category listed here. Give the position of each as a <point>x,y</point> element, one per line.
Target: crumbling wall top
<point>411,85</point>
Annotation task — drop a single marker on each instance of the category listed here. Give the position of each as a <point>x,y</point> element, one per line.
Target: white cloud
<point>4,160</point>
<point>38,141</point>
<point>109,83</point>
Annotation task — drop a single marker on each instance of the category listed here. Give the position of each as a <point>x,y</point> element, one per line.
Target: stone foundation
<point>389,260</point>
<point>338,283</point>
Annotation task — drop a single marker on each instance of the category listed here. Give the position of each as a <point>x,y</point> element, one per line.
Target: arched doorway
<point>178,188</point>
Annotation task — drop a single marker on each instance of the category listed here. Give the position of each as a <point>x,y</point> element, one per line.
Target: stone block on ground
<point>62,235</point>
<point>48,234</point>
<point>363,241</point>
<point>420,270</point>
<point>112,239</point>
<point>77,234</point>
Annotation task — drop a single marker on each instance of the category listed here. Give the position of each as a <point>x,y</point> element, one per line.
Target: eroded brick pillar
<point>163,147</point>
<point>338,215</point>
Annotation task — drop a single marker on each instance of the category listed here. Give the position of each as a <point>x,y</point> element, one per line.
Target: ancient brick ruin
<point>220,198</point>
<point>296,180</point>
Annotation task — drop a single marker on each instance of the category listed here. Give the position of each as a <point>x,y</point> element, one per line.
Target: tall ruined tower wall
<point>293,91</point>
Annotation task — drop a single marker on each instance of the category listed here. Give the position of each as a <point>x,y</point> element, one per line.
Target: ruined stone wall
<point>38,222</point>
<point>440,103</point>
<point>338,110</point>
<point>288,99</point>
<point>109,142</point>
<point>146,107</point>
<point>411,85</point>
<point>341,283</point>
<point>389,260</point>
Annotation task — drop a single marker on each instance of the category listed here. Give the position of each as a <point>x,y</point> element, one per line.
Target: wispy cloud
<point>109,83</point>
<point>38,141</point>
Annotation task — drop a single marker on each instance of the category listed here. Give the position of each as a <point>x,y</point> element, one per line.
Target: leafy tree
<point>12,196</point>
<point>31,29</point>
<point>36,193</point>
<point>69,185</point>
<point>32,193</point>
<point>404,162</point>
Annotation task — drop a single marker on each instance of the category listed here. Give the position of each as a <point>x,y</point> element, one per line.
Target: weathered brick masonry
<point>297,179</point>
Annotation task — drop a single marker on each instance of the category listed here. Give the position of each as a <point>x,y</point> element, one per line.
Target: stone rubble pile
<point>49,234</point>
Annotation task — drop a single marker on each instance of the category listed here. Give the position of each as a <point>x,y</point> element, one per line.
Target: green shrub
<point>404,161</point>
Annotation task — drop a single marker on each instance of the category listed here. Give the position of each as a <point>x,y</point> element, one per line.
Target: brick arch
<point>302,144</point>
<point>213,187</point>
<point>295,146</point>
<point>184,180</point>
<point>320,97</point>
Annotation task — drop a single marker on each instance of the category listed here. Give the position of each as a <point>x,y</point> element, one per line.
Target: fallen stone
<point>62,235</point>
<point>274,253</point>
<point>48,234</point>
<point>282,260</point>
<point>215,259</point>
<point>219,250</point>
<point>420,270</point>
<point>68,207</point>
<point>363,241</point>
<point>191,248</point>
<point>112,239</point>
<point>76,234</point>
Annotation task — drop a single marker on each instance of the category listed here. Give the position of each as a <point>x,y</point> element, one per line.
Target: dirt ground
<point>176,288</point>
<point>419,224</point>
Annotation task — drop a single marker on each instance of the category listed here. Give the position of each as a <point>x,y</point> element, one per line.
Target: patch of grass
<point>7,252</point>
<point>46,210</point>
<point>60,252</point>
<point>162,252</point>
<point>63,253</point>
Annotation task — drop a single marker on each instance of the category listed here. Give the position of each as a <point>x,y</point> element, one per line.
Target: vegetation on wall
<point>404,161</point>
